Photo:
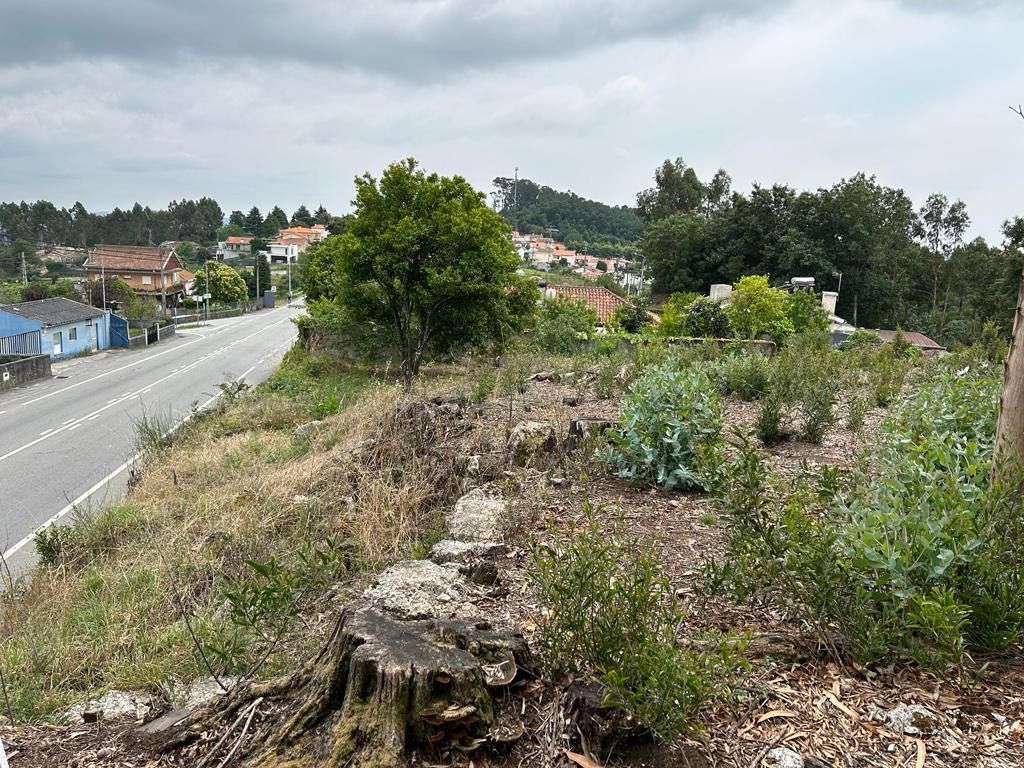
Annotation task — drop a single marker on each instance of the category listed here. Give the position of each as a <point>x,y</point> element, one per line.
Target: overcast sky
<point>283,101</point>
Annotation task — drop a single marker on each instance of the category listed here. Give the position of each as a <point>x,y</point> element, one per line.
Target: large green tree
<point>427,259</point>
<point>226,286</point>
<point>677,189</point>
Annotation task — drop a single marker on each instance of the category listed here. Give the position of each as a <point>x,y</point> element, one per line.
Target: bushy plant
<point>673,314</point>
<point>704,318</point>
<point>756,309</point>
<point>564,326</point>
<point>484,381</point>
<point>632,317</point>
<point>610,614</point>
<point>861,338</point>
<point>805,311</point>
<point>920,558</point>
<point>801,392</point>
<point>669,429</point>
<point>745,375</point>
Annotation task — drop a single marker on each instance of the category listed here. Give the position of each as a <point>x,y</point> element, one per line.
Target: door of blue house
<point>118,332</point>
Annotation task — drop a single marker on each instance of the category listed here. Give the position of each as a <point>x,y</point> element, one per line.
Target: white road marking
<point>94,417</point>
<point>46,432</point>
<point>74,426</point>
<point>68,421</point>
<point>28,539</point>
<point>198,361</point>
<point>70,507</point>
<point>2,413</point>
<point>198,337</point>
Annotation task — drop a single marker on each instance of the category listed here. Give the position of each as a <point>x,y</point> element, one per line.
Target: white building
<point>234,247</point>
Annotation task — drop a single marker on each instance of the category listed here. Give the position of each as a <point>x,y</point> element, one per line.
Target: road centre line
<point>51,433</point>
<point>74,504</point>
<point>198,338</point>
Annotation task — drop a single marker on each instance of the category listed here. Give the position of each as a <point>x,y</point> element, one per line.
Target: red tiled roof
<point>302,230</point>
<point>239,240</point>
<point>185,276</point>
<point>912,337</point>
<point>132,258</point>
<point>597,297</point>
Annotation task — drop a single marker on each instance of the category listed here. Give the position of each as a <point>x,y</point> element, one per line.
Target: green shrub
<point>861,338</point>
<point>855,411</point>
<point>921,558</point>
<point>673,314</point>
<point>801,392</point>
<point>805,312</point>
<point>484,381</point>
<point>756,309</point>
<point>564,326</point>
<point>745,375</point>
<point>632,317</point>
<point>610,614</point>
<point>669,429</point>
<point>610,379</point>
<point>704,318</point>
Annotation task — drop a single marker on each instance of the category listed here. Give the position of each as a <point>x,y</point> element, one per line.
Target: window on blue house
<point>72,334</point>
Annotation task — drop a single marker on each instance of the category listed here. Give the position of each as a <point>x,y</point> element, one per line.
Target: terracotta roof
<point>132,258</point>
<point>239,240</point>
<point>912,337</point>
<point>597,297</point>
<point>302,230</point>
<point>185,276</point>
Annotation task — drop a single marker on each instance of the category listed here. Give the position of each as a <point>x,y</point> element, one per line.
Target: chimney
<point>720,291</point>
<point>828,301</point>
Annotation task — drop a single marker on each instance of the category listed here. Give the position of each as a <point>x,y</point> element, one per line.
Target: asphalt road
<point>66,443</point>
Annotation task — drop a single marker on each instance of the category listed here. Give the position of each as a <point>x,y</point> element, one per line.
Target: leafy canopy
<point>756,309</point>
<point>226,286</point>
<point>427,259</point>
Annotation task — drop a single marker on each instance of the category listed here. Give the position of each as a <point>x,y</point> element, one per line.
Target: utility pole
<point>289,279</point>
<point>103,281</point>
<point>24,270</point>
<point>256,269</point>
<point>515,199</point>
<point>207,291</point>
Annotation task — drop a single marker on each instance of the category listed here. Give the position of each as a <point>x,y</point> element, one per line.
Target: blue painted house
<point>67,328</point>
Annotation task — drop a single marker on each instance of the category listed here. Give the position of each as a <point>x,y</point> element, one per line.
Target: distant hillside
<point>583,224</point>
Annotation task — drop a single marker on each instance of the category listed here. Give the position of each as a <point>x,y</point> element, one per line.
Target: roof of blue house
<point>51,312</point>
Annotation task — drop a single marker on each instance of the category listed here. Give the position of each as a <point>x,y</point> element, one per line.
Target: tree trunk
<point>1010,423</point>
<point>379,690</point>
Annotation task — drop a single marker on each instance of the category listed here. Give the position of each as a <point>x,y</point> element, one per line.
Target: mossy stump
<point>380,689</point>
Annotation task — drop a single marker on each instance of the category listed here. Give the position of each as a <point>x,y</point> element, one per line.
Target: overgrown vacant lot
<point>805,553</point>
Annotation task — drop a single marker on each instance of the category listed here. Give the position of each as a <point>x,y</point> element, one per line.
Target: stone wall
<point>15,371</point>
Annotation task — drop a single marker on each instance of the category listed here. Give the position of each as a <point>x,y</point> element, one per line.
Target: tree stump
<point>381,688</point>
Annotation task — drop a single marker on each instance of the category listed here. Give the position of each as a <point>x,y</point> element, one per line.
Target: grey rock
<point>420,589</point>
<point>477,516</point>
<point>530,438</point>
<point>785,758</point>
<point>113,705</point>
<point>305,430</point>
<point>451,551</point>
<point>912,719</point>
<point>197,693</point>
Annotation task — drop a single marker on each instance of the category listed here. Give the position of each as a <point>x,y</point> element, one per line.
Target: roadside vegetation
<point>716,523</point>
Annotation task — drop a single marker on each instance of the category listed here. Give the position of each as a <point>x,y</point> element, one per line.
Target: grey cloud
<point>408,39</point>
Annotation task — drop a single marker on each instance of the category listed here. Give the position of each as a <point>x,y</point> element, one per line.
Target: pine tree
<point>253,221</point>
<point>302,217</point>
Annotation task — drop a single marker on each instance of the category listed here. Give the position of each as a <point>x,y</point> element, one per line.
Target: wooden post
<point>1010,422</point>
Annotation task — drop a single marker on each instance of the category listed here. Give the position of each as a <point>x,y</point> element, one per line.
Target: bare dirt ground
<point>795,696</point>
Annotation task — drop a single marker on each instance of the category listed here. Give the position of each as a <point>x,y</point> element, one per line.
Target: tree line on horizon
<point>896,264</point>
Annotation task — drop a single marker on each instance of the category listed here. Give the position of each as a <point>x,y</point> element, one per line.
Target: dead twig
<point>245,730</point>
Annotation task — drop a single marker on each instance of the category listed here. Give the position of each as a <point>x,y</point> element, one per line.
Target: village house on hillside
<point>234,247</point>
<point>151,271</point>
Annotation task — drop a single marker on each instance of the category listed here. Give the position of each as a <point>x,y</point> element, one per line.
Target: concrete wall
<point>17,371</point>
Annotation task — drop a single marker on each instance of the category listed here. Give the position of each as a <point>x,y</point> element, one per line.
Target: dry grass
<point>233,488</point>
